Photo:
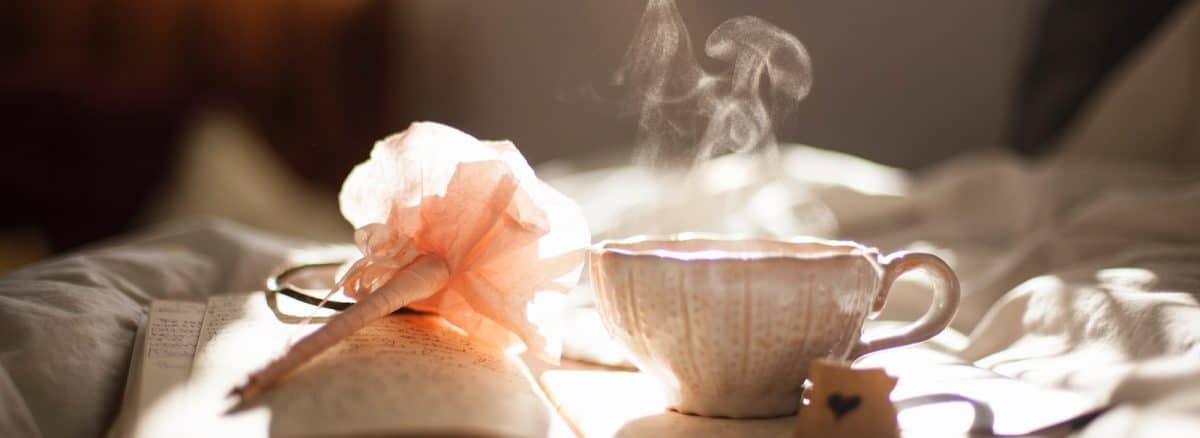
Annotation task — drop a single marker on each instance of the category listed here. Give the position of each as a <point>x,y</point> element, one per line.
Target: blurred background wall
<point>904,83</point>
<point>122,113</point>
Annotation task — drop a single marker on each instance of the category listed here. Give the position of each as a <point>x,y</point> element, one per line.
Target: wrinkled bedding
<point>1081,270</point>
<point>67,325</point>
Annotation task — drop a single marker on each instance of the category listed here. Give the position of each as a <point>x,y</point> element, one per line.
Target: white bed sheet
<point>67,325</point>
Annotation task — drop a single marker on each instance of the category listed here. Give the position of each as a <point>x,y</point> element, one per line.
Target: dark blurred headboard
<point>1077,44</point>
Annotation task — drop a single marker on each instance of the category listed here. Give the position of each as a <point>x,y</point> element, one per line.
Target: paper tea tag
<point>844,401</point>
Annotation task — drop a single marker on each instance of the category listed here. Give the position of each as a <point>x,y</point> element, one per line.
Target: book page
<point>170,334</point>
<point>161,359</point>
<point>404,374</point>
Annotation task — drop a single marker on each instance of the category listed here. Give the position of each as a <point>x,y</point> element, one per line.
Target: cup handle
<point>936,319</point>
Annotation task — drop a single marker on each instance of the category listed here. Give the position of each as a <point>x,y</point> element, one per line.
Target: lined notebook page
<point>168,347</point>
<point>161,360</point>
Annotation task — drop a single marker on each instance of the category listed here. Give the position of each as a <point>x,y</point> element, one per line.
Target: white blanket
<point>1080,271</point>
<point>67,325</point>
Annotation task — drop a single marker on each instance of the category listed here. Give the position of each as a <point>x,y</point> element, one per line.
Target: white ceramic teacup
<point>729,326</point>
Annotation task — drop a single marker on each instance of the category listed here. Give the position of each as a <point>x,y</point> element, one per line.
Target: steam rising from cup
<point>686,112</point>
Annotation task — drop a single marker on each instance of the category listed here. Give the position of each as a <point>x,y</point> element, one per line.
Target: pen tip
<point>245,391</point>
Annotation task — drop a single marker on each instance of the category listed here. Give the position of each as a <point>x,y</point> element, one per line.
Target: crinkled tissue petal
<point>506,236</point>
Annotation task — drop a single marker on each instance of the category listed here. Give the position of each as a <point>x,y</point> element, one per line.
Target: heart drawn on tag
<point>842,405</point>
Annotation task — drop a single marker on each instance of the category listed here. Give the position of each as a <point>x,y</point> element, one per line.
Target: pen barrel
<point>422,278</point>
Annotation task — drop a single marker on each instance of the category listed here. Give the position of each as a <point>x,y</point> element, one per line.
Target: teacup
<point>729,326</point>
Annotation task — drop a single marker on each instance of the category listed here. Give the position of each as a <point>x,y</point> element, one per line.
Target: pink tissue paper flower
<point>506,236</point>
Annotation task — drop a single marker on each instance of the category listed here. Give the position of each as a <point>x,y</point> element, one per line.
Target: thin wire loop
<point>278,284</point>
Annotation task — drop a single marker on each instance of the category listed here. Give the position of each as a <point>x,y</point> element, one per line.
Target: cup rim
<point>832,248</point>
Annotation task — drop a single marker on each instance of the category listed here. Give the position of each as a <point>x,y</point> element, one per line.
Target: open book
<point>414,374</point>
<point>406,374</point>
